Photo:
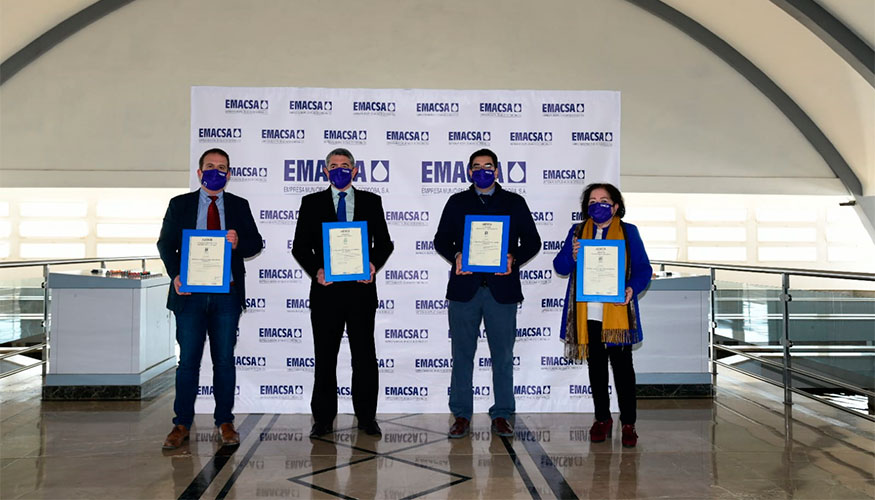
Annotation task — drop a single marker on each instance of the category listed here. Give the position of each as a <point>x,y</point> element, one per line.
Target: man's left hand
<point>232,238</point>
<point>373,272</point>
<point>509,266</point>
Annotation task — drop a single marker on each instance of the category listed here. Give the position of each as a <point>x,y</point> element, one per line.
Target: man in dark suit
<point>199,315</point>
<point>488,297</point>
<point>352,304</point>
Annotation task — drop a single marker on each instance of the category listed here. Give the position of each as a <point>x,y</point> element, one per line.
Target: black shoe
<point>320,429</point>
<point>371,428</point>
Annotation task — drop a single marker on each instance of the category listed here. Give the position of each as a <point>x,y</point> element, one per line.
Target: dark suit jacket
<point>317,208</point>
<point>523,242</point>
<point>182,214</point>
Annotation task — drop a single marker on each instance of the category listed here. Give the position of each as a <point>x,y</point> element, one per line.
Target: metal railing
<point>786,367</point>
<point>46,265</point>
<point>749,352</point>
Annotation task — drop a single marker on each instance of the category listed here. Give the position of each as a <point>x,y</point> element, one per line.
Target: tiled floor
<point>742,444</point>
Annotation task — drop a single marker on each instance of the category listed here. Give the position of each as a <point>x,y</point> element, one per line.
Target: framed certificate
<point>345,248</point>
<point>484,247</point>
<point>601,271</point>
<point>205,265</point>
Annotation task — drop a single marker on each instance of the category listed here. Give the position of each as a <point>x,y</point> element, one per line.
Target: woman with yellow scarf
<point>598,332</point>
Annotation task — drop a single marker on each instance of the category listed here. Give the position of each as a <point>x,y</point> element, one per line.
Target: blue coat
<point>564,264</point>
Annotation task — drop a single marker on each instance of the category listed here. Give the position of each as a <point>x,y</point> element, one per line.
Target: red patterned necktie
<point>213,221</point>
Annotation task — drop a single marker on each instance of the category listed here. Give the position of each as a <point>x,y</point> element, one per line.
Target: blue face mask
<point>483,178</point>
<point>600,212</point>
<point>340,177</point>
<point>214,179</point>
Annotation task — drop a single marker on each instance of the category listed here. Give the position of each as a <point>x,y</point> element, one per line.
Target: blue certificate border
<point>366,261</point>
<point>225,287</point>
<point>621,275</point>
<point>505,234</point>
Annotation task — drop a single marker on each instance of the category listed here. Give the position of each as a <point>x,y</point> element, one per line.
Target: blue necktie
<point>341,207</point>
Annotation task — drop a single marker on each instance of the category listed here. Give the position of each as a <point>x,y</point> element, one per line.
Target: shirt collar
<point>206,196</point>
<point>335,193</point>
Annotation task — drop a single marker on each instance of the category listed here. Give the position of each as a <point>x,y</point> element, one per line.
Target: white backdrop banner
<point>412,148</point>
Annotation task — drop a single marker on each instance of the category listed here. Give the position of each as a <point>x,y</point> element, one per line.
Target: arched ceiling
<point>22,21</point>
<point>840,101</point>
<point>835,96</point>
<point>858,15</point>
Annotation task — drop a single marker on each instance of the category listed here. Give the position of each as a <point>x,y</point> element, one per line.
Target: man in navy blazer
<point>488,297</point>
<point>199,315</point>
<point>350,304</point>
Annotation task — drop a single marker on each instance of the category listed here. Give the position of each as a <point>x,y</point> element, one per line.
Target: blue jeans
<point>203,314</point>
<point>500,322</point>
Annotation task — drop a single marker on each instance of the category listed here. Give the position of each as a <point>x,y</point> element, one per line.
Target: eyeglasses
<point>485,166</point>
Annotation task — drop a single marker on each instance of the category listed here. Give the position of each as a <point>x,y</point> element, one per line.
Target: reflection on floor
<point>742,444</point>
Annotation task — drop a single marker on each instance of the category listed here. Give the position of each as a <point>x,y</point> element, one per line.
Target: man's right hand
<point>459,265</point>
<point>320,277</point>
<point>176,284</point>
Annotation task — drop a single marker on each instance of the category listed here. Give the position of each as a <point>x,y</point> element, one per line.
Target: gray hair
<point>340,152</point>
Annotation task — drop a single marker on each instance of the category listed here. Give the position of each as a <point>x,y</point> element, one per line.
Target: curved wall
<point>109,107</point>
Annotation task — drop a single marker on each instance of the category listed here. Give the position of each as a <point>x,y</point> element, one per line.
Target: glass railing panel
<point>22,295</point>
<point>21,304</point>
<point>747,309</point>
<point>747,314</point>
<point>832,330</point>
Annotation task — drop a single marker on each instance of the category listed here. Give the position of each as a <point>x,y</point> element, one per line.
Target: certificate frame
<point>620,245</point>
<point>187,235</point>
<point>326,251</point>
<point>466,243</point>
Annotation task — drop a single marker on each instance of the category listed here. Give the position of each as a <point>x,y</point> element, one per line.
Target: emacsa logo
<point>220,134</point>
<point>247,106</point>
<point>516,172</point>
<point>379,170</point>
<point>575,109</point>
<point>254,304</point>
<point>592,138</point>
<point>248,173</point>
<point>501,109</point>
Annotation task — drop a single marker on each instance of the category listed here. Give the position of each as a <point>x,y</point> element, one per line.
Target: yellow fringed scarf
<point>618,320</point>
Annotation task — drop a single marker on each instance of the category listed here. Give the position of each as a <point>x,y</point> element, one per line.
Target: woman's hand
<point>628,296</point>
<point>575,246</point>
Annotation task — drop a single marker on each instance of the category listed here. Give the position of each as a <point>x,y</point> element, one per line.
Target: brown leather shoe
<point>230,437</point>
<point>177,436</point>
<point>501,427</point>
<point>460,428</point>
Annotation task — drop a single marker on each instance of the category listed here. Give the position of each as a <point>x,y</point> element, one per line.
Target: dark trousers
<point>620,357</point>
<point>214,315</point>
<point>328,321</point>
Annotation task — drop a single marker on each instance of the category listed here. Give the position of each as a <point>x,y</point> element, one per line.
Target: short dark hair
<point>339,152</point>
<point>483,152</point>
<point>200,163</point>
<point>612,190</point>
